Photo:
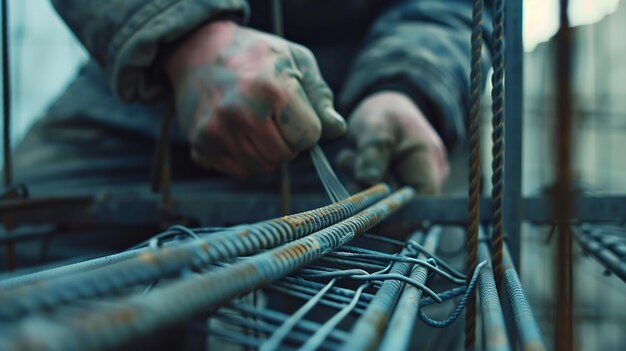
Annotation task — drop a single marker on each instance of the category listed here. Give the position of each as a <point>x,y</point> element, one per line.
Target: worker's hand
<point>248,100</point>
<point>392,136</point>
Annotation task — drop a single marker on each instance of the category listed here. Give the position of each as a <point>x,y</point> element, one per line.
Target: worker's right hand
<point>248,100</point>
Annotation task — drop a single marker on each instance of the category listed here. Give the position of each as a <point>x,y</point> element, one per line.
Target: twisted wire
<point>474,161</point>
<point>497,136</point>
<point>465,301</point>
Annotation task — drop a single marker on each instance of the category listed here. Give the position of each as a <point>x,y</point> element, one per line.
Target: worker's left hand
<point>391,136</point>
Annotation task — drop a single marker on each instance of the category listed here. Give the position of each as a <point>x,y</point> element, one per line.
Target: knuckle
<point>303,50</point>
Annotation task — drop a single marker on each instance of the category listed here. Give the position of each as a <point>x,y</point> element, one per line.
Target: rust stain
<point>496,336</point>
<point>125,316</point>
<point>148,257</point>
<point>534,346</point>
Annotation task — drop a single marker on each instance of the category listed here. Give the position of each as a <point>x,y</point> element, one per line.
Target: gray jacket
<point>420,47</point>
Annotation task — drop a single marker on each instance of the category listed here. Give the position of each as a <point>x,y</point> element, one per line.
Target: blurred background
<point>45,57</point>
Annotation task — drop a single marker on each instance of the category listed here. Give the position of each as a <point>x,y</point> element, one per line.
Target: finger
<point>418,167</point>
<point>372,160</point>
<point>297,122</point>
<point>318,92</point>
<point>270,144</point>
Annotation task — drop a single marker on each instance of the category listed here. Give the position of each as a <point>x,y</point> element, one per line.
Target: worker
<point>247,101</point>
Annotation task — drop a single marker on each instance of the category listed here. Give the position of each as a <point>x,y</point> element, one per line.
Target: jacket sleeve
<point>421,48</point>
<point>126,36</point>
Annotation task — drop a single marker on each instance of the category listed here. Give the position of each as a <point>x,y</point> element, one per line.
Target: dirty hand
<point>392,136</point>
<point>247,100</point>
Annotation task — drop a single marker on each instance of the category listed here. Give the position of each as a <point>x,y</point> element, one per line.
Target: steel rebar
<point>400,330</point>
<point>369,329</point>
<point>527,329</point>
<point>110,325</point>
<point>167,261</point>
<point>474,164</point>
<point>493,324</point>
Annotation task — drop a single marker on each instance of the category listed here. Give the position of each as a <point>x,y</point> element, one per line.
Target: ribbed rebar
<point>369,329</point>
<point>493,325</point>
<point>98,326</point>
<point>400,330</point>
<point>497,136</point>
<point>527,328</point>
<point>169,261</point>
<point>21,280</point>
<point>474,165</point>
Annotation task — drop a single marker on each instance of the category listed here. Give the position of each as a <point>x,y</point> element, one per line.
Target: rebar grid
<point>135,315</point>
<point>350,281</point>
<point>607,244</point>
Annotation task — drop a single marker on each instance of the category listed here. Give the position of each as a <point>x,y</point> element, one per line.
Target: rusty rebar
<point>169,261</point>
<point>98,326</point>
<point>497,165</point>
<point>474,165</point>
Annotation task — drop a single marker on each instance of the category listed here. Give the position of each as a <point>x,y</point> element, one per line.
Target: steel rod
<point>603,254</point>
<point>527,329</point>
<point>475,93</point>
<point>369,329</point>
<point>167,261</point>
<point>493,324</point>
<point>109,325</point>
<point>400,331</point>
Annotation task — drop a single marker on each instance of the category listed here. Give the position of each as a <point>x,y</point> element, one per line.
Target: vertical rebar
<point>285,177</point>
<point>6,97</point>
<point>474,165</point>
<point>497,108</point>
<point>7,172</point>
<point>562,199</point>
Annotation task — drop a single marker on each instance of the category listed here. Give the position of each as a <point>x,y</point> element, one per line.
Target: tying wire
<point>444,295</point>
<point>497,136</point>
<point>474,166</point>
<point>348,293</point>
<point>464,301</point>
<point>331,295</point>
<point>440,262</point>
<point>322,333</point>
<point>276,317</point>
<point>411,244</point>
<point>335,190</point>
<point>277,337</point>
<point>387,257</point>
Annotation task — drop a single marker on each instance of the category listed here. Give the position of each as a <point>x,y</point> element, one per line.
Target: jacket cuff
<point>135,47</point>
<point>430,89</point>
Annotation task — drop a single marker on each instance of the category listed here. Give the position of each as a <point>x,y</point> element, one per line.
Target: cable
<point>474,165</point>
<point>497,136</point>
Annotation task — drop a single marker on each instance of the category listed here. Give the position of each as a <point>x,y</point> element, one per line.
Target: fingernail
<point>339,123</point>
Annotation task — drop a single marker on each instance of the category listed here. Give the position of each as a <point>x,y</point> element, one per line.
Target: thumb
<point>319,94</point>
<point>372,159</point>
